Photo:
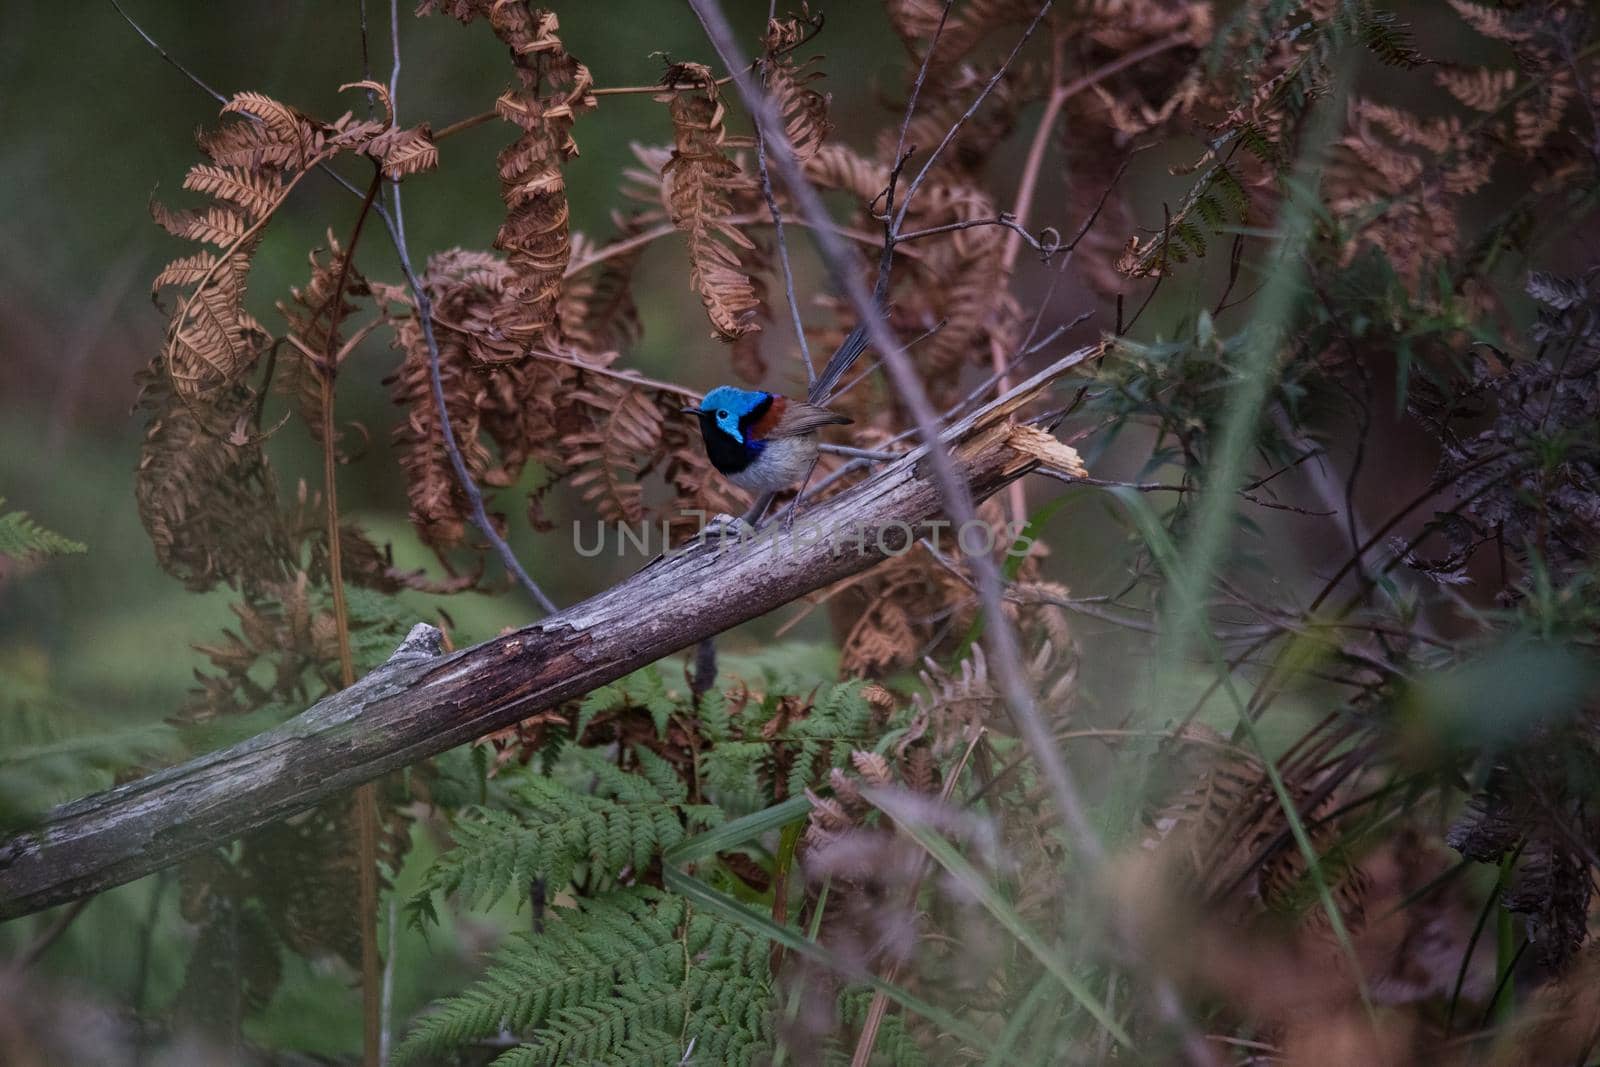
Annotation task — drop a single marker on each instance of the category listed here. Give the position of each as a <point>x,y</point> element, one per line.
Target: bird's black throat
<point>727,454</point>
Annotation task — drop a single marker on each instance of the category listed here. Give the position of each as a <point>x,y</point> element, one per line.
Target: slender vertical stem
<point>395,221</point>
<point>385,1013</point>
<point>366,800</point>
<point>783,243</point>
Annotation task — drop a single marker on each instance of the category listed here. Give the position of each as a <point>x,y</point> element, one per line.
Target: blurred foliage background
<point>99,124</point>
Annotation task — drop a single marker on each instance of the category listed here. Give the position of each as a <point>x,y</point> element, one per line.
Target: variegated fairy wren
<point>765,442</point>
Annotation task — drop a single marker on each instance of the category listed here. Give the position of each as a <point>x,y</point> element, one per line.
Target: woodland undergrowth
<point>1327,684</point>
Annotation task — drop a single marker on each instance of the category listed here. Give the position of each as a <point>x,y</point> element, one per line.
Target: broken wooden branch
<point>420,703</point>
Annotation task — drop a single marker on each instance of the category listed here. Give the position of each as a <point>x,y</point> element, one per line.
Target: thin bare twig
<point>1164,487</point>
<point>667,229</point>
<point>366,798</point>
<point>782,241</point>
<point>164,54</point>
<point>1029,183</point>
<point>394,220</point>
<point>1047,243</point>
<point>972,109</point>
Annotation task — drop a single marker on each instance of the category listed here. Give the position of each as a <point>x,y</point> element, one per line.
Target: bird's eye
<point>722,414</point>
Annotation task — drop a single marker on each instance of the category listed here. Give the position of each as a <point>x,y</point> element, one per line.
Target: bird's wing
<point>798,418</point>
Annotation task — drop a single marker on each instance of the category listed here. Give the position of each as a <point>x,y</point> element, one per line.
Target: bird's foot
<point>724,525</point>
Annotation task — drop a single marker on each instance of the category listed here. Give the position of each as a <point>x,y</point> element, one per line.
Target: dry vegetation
<point>1345,817</point>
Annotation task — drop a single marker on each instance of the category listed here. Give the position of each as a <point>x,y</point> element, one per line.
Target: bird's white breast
<point>781,465</point>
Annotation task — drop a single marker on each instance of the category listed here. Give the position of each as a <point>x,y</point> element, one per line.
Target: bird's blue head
<point>726,406</point>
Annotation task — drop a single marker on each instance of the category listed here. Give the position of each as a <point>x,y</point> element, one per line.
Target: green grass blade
<point>1166,554</point>
<point>947,856</point>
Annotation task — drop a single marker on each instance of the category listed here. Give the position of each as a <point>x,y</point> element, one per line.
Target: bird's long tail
<point>838,363</point>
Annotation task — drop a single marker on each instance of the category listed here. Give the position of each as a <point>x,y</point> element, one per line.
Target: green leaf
<point>22,538</point>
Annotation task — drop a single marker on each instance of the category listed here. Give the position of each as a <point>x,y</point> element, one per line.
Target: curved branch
<point>420,704</point>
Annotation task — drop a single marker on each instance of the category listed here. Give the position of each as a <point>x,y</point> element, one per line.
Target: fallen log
<point>420,703</point>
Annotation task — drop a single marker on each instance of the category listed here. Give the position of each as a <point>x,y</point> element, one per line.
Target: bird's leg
<point>738,525</point>
<point>799,494</point>
<point>758,509</point>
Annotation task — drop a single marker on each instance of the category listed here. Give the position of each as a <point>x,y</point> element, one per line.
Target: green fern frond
<point>552,830</point>
<point>730,773</point>
<point>52,751</point>
<point>644,688</point>
<point>715,718</point>
<point>631,976</point>
<point>1386,38</point>
<point>642,1019</point>
<point>22,538</point>
<point>1255,141</point>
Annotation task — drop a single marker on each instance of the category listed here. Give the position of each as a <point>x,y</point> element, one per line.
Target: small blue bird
<point>764,442</point>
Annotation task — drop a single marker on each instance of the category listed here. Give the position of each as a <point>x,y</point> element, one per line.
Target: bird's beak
<point>689,411</point>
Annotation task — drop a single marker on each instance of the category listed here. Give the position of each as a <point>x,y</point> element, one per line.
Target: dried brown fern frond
<point>698,182</point>
<point>953,282</point>
<point>967,27</point>
<point>1122,25</point>
<point>1497,24</point>
<point>597,312</point>
<point>315,331</point>
<point>948,280</point>
<point>257,156</point>
<point>893,616</point>
<point>804,110</point>
<point>535,234</point>
<point>283,640</point>
<point>978,137</point>
<point>1225,829</point>
<point>743,271</point>
<point>921,603</point>
<point>838,166</point>
<point>1537,115</point>
<point>212,342</point>
<point>503,413</point>
<point>208,500</point>
<point>1217,785</point>
<point>870,869</point>
<point>1437,135</point>
<point>956,703</point>
<point>402,152</point>
<point>1388,194</point>
<point>621,435</point>
<point>913,21</point>
<point>1480,88</point>
<point>565,410</point>
<point>439,509</point>
<point>952,704</point>
<point>253,191</point>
